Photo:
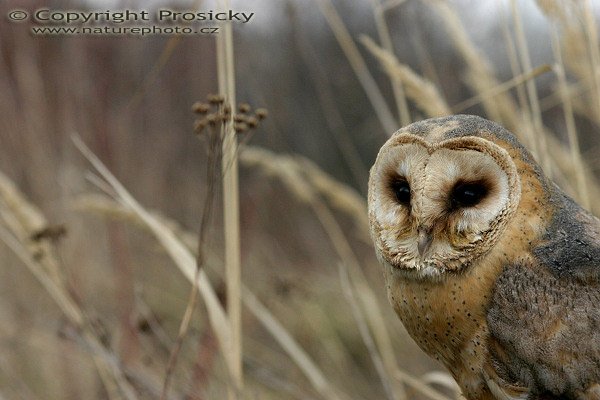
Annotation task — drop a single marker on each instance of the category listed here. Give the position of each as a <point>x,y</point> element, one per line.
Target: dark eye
<point>401,190</point>
<point>468,194</point>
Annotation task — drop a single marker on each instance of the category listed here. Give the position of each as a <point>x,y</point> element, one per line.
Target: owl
<point>492,269</point>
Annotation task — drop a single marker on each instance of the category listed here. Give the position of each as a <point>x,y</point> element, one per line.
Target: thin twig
<point>511,83</point>
<point>214,157</point>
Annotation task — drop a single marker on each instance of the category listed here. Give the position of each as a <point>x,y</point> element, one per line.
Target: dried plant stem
<point>359,66</point>
<point>540,147</point>
<point>592,41</point>
<point>214,156</point>
<point>567,107</point>
<point>231,218</point>
<point>528,136</point>
<point>386,41</point>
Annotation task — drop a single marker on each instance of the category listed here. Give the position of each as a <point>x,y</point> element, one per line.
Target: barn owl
<point>492,269</point>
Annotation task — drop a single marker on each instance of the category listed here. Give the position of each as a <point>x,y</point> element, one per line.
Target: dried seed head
<point>211,119</point>
<point>199,125</point>
<point>244,107</point>
<point>50,232</point>
<point>239,118</point>
<point>252,122</point>
<point>215,98</point>
<point>240,127</point>
<point>227,109</point>
<point>261,113</point>
<point>200,108</point>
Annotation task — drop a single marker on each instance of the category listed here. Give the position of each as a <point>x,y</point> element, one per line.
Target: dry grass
<point>308,304</point>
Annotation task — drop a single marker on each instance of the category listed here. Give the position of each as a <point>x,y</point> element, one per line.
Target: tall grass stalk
<point>231,213</point>
<point>540,146</point>
<point>567,107</point>
<point>515,66</point>
<point>386,41</point>
<point>592,41</point>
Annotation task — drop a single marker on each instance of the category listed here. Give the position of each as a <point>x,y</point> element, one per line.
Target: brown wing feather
<point>545,332</point>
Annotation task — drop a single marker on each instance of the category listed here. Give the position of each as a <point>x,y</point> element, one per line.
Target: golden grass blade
<point>359,66</point>
<point>363,328</point>
<point>422,92</point>
<point>108,206</point>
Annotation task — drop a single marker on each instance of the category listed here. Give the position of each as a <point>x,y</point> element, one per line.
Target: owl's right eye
<point>401,190</point>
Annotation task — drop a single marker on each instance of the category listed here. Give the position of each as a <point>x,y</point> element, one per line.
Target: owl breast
<point>447,320</point>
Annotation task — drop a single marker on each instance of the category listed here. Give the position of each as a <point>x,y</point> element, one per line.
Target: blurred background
<point>337,78</point>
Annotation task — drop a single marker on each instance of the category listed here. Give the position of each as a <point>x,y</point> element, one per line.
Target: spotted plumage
<point>492,269</point>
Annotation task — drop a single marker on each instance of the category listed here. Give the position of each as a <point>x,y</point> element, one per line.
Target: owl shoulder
<point>570,246</point>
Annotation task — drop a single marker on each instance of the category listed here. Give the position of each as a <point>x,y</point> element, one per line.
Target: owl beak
<point>424,241</point>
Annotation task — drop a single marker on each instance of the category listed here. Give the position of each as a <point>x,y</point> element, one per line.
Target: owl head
<point>440,194</point>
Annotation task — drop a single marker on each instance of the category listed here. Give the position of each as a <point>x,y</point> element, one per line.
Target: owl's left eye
<point>468,194</point>
<point>401,190</point>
